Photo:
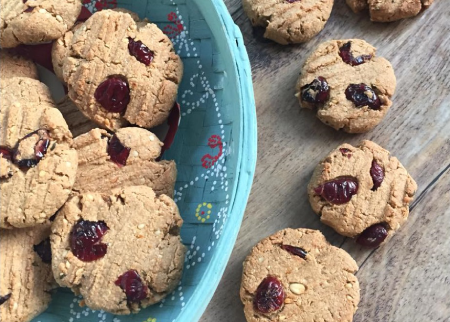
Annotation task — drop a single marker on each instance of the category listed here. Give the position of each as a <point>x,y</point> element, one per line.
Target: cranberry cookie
<point>295,275</point>
<point>16,66</point>
<point>37,163</point>
<point>120,71</point>
<point>126,158</point>
<point>289,21</point>
<point>35,21</point>
<point>389,10</point>
<point>26,273</point>
<point>121,252</point>
<point>348,84</point>
<point>362,192</point>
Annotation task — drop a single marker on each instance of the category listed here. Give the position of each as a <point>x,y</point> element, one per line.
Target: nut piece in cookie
<point>120,71</point>
<point>26,273</point>
<point>127,158</point>
<point>16,66</point>
<point>297,266</point>
<point>125,244</point>
<point>289,21</point>
<point>38,164</point>
<point>347,84</point>
<point>362,192</point>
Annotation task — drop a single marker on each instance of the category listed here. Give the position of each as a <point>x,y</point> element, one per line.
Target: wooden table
<point>408,279</point>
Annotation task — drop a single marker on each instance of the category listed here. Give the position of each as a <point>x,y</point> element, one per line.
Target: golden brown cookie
<point>16,66</point>
<point>346,82</point>
<point>362,192</point>
<point>295,275</point>
<point>35,21</point>
<point>119,71</point>
<point>26,276</point>
<point>133,257</point>
<point>77,122</point>
<point>126,158</point>
<point>38,165</point>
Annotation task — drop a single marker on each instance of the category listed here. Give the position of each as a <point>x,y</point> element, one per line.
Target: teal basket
<point>215,151</point>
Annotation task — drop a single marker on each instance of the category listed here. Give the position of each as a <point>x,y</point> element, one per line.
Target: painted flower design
<point>203,212</point>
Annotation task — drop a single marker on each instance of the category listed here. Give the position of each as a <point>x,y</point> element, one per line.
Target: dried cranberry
<point>269,295</point>
<point>348,58</point>
<point>5,153</point>
<point>31,149</point>
<point>292,1</point>
<point>113,94</point>
<point>140,51</point>
<point>297,251</point>
<point>339,190</point>
<point>317,92</point>
<point>346,152</point>
<point>363,95</point>
<point>118,152</point>
<point>29,9</point>
<point>85,240</point>
<point>131,283</point>
<point>377,174</point>
<point>373,236</point>
<point>44,250</point>
<point>5,298</point>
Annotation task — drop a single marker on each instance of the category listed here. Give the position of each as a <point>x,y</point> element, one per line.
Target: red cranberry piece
<point>348,58</point>
<point>377,174</point>
<point>346,152</point>
<point>44,250</point>
<point>118,152</point>
<point>5,298</point>
<point>373,236</point>
<point>5,153</point>
<point>292,1</point>
<point>31,149</point>
<point>363,95</point>
<point>85,240</point>
<point>140,51</point>
<point>297,251</point>
<point>339,190</point>
<point>131,283</point>
<point>317,92</point>
<point>269,295</point>
<point>113,94</point>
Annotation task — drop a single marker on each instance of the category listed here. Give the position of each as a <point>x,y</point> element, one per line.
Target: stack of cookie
<point>93,213</point>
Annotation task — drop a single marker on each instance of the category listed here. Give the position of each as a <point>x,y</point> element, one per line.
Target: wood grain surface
<point>408,279</point>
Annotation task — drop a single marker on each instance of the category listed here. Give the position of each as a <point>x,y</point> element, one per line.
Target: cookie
<point>126,158</point>
<point>77,122</point>
<point>37,21</point>
<point>389,10</point>
<point>16,66</point>
<point>26,273</point>
<point>38,164</point>
<point>133,257</point>
<point>119,71</point>
<point>289,21</point>
<point>362,192</point>
<point>346,82</point>
<point>295,275</point>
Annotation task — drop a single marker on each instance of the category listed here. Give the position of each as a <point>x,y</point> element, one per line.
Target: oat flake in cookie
<point>289,21</point>
<point>362,192</point>
<point>122,251</point>
<point>120,71</point>
<point>347,84</point>
<point>35,21</point>
<point>126,158</point>
<point>37,163</point>
<point>295,275</point>
<point>26,276</point>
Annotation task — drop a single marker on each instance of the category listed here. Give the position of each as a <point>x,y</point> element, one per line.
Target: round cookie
<point>361,190</point>
<point>38,165</point>
<point>295,275</point>
<point>388,10</point>
<point>127,158</point>
<point>346,82</point>
<point>119,71</point>
<point>26,273</point>
<point>133,243</point>
<point>36,21</point>
<point>289,21</point>
<point>16,66</point>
